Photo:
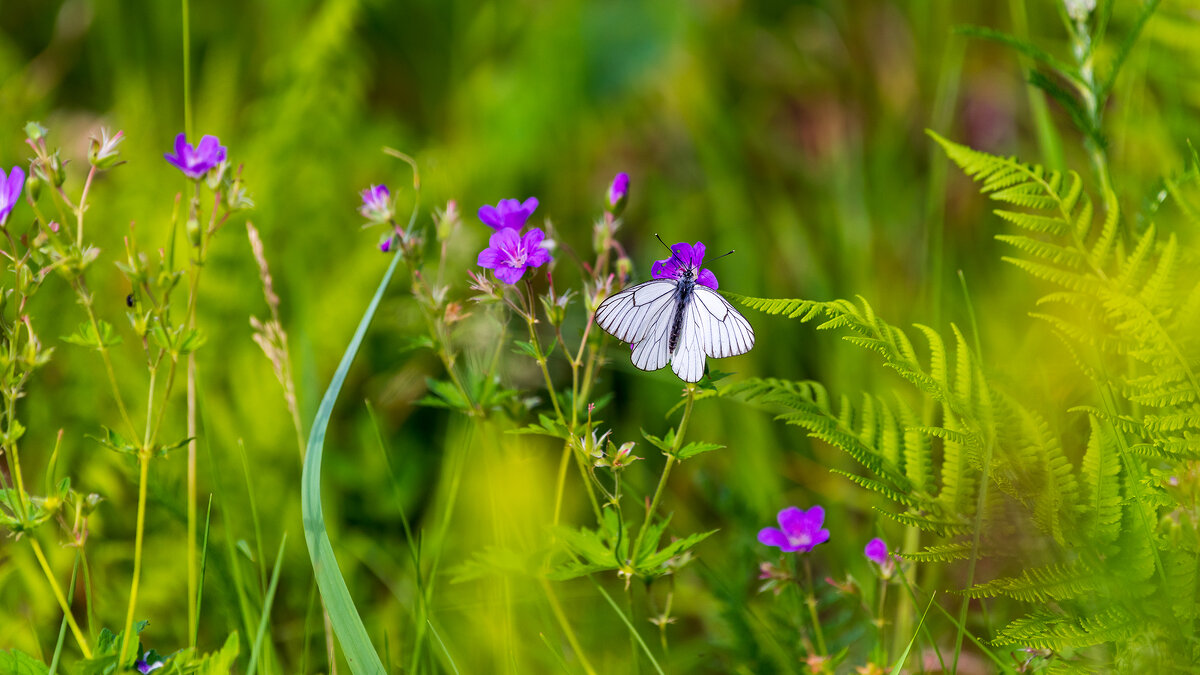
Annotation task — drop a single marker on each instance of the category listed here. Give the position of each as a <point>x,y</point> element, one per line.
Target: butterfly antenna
<point>660,240</point>
<point>720,256</point>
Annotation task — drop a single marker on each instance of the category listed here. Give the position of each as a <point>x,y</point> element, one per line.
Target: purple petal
<point>507,206</point>
<point>820,537</point>
<point>510,275</point>
<point>490,216</point>
<point>505,239</point>
<point>182,148</point>
<point>814,518</point>
<point>791,521</point>
<point>683,253</point>
<point>537,257</point>
<point>490,258</point>
<point>16,181</point>
<point>207,147</point>
<point>529,206</point>
<point>697,258</point>
<point>770,536</point>
<point>707,278</point>
<point>664,269</point>
<point>533,238</point>
<point>876,551</point>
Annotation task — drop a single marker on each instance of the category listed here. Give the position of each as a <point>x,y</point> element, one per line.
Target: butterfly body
<point>677,318</point>
<point>683,291</point>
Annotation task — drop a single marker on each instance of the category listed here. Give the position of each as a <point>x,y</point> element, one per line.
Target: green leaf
<point>696,448</point>
<point>190,341</point>
<point>1026,48</point>
<point>663,443</point>
<point>116,442</point>
<point>547,427</point>
<point>347,624</point>
<point>86,336</point>
<point>16,662</point>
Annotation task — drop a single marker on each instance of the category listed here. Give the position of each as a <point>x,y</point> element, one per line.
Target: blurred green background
<point>792,132</point>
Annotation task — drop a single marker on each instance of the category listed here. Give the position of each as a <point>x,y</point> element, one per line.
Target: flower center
<point>802,539</point>
<point>516,257</point>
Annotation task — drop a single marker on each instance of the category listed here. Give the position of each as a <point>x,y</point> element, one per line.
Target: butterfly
<point>678,316</point>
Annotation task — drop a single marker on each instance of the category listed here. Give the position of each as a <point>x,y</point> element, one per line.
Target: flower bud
<point>193,231</point>
<point>33,184</point>
<point>102,152</point>
<point>624,268</point>
<point>35,132</point>
<point>57,175</point>
<point>618,193</point>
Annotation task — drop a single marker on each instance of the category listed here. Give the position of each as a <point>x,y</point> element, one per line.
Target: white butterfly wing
<point>641,315</point>
<point>724,331</point>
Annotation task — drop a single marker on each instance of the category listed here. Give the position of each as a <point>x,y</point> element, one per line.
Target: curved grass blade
<point>347,624</point>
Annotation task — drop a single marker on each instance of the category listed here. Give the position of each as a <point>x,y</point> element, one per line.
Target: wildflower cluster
<point>39,249</point>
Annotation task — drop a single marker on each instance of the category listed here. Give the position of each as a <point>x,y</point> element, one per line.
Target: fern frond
<point>1131,267</point>
<point>1046,251</point>
<point>876,486</point>
<point>1041,584</point>
<point>959,550</point>
<point>1045,629</point>
<point>942,528</point>
<point>1100,510</point>
<point>1073,281</point>
<point>1158,287</point>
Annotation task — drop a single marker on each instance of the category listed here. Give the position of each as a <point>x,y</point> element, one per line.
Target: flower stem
<point>562,481</point>
<point>62,599</point>
<point>561,617</point>
<point>811,601</point>
<point>144,473</point>
<point>662,481</point>
<point>86,298</point>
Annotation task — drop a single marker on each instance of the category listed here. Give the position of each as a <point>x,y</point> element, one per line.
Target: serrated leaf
<point>86,336</point>
<point>696,448</point>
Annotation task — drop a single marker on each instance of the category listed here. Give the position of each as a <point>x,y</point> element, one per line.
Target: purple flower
<point>376,204</point>
<point>10,191</point>
<point>509,254</point>
<point>799,531</point>
<point>144,667</point>
<point>876,551</point>
<point>684,256</point>
<point>618,190</point>
<point>195,162</point>
<point>386,245</point>
<point>508,214</point>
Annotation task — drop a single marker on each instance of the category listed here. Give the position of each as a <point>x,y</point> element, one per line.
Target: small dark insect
<point>129,300</point>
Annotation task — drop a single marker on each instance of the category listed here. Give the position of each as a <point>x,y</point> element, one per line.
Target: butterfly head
<point>685,264</point>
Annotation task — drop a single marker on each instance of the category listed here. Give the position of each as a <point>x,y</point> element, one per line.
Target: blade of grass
<point>62,629</point>
<point>554,652</point>
<point>436,636</point>
<point>266,608</point>
<point>347,624</point>
<point>262,560</point>
<point>633,631</point>
<point>904,657</point>
<point>203,570</point>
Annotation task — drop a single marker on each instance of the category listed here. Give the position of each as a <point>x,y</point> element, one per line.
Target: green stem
<point>662,481</point>
<point>143,479</point>
<point>86,299</point>
<point>62,600</point>
<point>811,601</point>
